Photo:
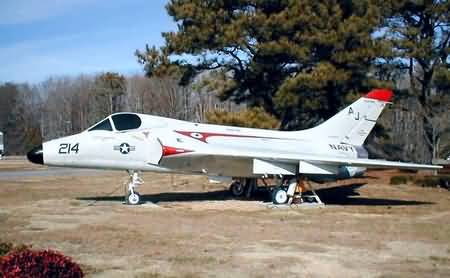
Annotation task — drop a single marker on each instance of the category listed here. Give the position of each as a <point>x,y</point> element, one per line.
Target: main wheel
<point>134,198</point>
<point>237,189</point>
<point>446,183</point>
<point>279,196</point>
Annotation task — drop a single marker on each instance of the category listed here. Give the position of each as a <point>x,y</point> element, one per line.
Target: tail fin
<point>353,124</point>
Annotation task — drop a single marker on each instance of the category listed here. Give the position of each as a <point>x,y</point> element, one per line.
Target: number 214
<point>65,148</point>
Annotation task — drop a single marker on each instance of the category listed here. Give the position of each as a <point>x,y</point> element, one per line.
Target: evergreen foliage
<point>301,60</point>
<point>109,87</point>
<point>420,34</point>
<point>419,31</point>
<point>254,117</point>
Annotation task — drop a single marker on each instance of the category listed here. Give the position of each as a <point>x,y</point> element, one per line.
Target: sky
<point>44,38</point>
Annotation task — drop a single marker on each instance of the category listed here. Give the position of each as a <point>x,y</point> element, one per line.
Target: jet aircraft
<point>138,142</point>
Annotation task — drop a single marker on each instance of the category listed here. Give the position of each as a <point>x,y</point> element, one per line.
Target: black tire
<point>446,184</point>
<point>237,189</point>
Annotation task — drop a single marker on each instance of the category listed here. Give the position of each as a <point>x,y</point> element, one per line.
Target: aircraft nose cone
<point>36,155</point>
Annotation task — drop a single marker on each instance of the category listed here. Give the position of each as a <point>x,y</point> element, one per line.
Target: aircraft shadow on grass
<point>347,195</point>
<point>337,195</point>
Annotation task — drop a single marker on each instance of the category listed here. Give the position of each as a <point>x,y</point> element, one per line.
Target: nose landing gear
<point>132,197</point>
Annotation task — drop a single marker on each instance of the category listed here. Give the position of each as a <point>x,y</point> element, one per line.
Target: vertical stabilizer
<point>353,124</point>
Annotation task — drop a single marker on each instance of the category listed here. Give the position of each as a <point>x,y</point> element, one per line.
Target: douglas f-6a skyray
<point>138,142</point>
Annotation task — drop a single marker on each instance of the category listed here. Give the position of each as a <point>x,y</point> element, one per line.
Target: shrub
<point>396,180</point>
<point>429,181</point>
<point>38,264</point>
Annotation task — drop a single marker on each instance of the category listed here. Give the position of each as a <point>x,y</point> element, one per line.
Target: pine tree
<point>301,60</point>
<point>420,34</point>
<point>108,92</point>
<point>253,117</point>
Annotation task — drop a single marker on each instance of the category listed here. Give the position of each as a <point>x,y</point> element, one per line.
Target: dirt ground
<point>367,229</point>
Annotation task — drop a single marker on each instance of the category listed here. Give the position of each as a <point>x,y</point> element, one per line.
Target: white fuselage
<point>167,145</point>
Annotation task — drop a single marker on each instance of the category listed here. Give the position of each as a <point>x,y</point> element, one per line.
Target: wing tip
<point>380,94</point>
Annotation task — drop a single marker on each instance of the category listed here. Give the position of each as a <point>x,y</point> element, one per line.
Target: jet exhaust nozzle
<point>36,155</point>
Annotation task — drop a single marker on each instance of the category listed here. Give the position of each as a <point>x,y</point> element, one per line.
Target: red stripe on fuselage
<point>202,136</point>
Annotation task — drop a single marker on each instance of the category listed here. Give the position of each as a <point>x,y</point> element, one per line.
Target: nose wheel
<point>133,197</point>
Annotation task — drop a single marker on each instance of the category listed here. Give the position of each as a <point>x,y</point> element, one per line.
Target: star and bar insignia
<point>124,148</point>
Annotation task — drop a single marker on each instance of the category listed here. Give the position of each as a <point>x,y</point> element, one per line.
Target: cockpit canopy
<point>126,121</point>
<point>120,122</point>
<point>103,125</point>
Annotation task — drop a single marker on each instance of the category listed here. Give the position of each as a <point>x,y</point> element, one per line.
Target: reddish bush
<point>38,264</point>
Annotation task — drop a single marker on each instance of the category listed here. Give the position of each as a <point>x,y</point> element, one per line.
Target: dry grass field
<point>367,229</point>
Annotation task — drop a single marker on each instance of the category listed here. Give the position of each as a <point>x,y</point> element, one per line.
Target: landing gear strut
<point>132,197</point>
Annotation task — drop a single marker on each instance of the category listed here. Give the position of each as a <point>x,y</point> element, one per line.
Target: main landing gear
<point>132,197</point>
<point>288,191</point>
<point>295,191</point>
<point>243,186</point>
<point>237,188</point>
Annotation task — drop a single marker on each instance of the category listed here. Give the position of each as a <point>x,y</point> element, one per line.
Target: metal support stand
<point>297,192</point>
<point>312,195</point>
